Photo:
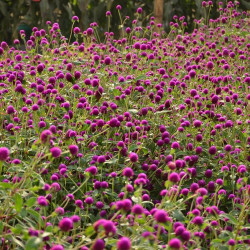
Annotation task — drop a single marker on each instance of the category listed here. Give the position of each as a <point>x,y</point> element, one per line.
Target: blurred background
<point>16,15</point>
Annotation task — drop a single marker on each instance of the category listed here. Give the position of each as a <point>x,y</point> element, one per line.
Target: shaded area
<point>24,14</point>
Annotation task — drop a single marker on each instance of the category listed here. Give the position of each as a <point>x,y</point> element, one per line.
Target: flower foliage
<point>141,141</point>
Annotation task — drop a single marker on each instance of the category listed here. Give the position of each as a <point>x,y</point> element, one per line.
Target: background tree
<point>158,11</point>
<point>15,14</point>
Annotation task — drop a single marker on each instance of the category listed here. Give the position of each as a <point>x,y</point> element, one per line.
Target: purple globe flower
<point>128,172</point>
<point>133,157</point>
<point>45,136</point>
<point>212,150</point>
<point>66,224</point>
<point>55,152</point>
<point>75,18</point>
<point>59,210</point>
<point>137,209</point>
<point>4,153</point>
<point>198,220</point>
<point>175,145</point>
<point>92,170</point>
<point>174,177</point>
<point>57,247</point>
<point>89,31</point>
<point>186,235</point>
<point>42,201</point>
<point>228,148</point>
<point>89,200</point>
<point>79,203</point>
<point>107,60</point>
<point>123,243</point>
<point>139,10</point>
<point>210,65</point>
<point>179,230</point>
<point>118,7</point>
<point>175,243</point>
<point>101,159</point>
<point>231,242</point>
<point>98,245</point>
<point>197,123</point>
<point>73,149</point>
<point>161,216</point>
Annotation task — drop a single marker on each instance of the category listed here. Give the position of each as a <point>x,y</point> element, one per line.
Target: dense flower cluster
<point>138,142</point>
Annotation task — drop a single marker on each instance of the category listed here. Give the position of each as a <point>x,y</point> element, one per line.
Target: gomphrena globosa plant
<point>140,142</point>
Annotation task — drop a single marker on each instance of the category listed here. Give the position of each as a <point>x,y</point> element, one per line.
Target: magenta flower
<point>4,153</point>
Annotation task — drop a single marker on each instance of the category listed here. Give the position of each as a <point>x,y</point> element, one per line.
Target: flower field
<point>140,142</point>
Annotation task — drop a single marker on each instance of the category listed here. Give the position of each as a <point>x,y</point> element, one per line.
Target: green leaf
<point>116,92</point>
<point>33,243</point>
<point>5,185</point>
<point>18,202</point>
<point>134,111</point>
<point>231,219</point>
<point>178,215</point>
<point>31,201</point>
<point>36,215</point>
<point>132,147</point>
<point>90,230</point>
<point>1,226</point>
<point>140,77</point>
<point>18,242</point>
<point>167,184</point>
<point>163,112</point>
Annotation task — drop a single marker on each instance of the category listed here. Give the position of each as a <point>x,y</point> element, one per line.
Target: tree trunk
<point>158,11</point>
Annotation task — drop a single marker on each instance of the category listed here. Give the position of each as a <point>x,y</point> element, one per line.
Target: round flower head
<point>90,31</point>
<point>137,209</point>
<point>75,218</point>
<point>89,200</point>
<point>57,247</point>
<point>179,230</point>
<point>175,243</point>
<point>59,210</point>
<point>118,7</point>
<point>175,145</point>
<point>55,152</point>
<point>198,220</point>
<point>45,136</point>
<point>109,227</point>
<point>161,216</point>
<point>107,60</point>
<point>84,248</point>
<point>98,245</point>
<point>128,172</point>
<point>228,147</point>
<point>212,150</point>
<point>174,177</point>
<point>210,65</point>
<point>66,224</point>
<point>92,170</point>
<point>4,153</point>
<point>15,161</point>
<point>101,159</point>
<point>197,123</point>
<point>79,203</point>
<point>133,157</point>
<point>42,201</point>
<point>231,242</point>
<point>75,18</point>
<point>123,243</point>
<point>139,10</point>
<point>108,13</point>
<point>186,235</point>
<point>73,149</point>
<point>10,110</point>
